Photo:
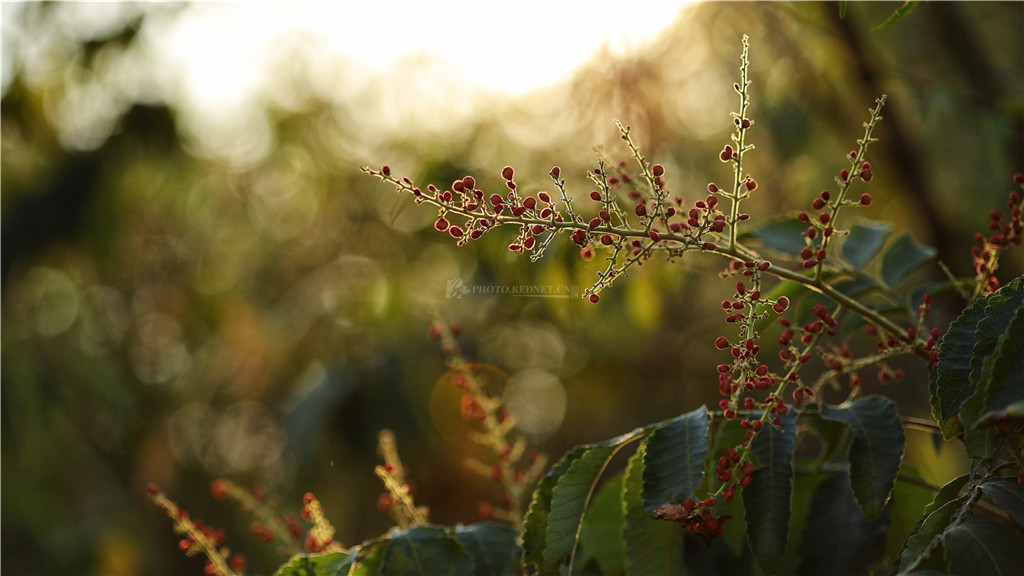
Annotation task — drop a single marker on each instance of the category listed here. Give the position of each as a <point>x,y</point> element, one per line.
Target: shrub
<point>728,488</point>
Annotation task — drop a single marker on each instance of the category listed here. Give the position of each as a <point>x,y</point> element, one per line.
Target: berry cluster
<point>321,535</point>
<point>1005,232</point>
<point>397,500</point>
<point>199,538</point>
<point>268,524</point>
<point>515,467</point>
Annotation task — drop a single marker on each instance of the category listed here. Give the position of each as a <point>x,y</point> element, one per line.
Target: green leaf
<point>674,460</point>
<point>1003,385</point>
<point>999,310</point>
<point>1007,495</point>
<point>653,547</point>
<point>493,548</point>
<point>833,512</point>
<point>767,499</point>
<point>842,9</point>
<point>331,564</point>
<point>425,551</point>
<point>951,384</point>
<point>601,533</point>
<point>876,450</point>
<point>569,498</point>
<point>903,257</point>
<point>900,13</point>
<point>935,519</point>
<point>983,546</point>
<point>864,242</point>
<point>783,236</point>
<point>536,524</point>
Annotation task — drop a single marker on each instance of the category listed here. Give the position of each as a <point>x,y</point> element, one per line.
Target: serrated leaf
<point>864,242</point>
<point>425,551</point>
<point>900,13</point>
<point>653,547</point>
<point>674,460</point>
<point>536,523</point>
<point>601,533</point>
<point>903,257</point>
<point>493,548</point>
<point>935,519</point>
<point>331,564</point>
<point>767,499</point>
<point>876,450</point>
<point>982,546</point>
<point>1008,495</point>
<point>834,511</point>
<point>950,383</point>
<point>998,311</point>
<point>782,236</point>
<point>569,499</point>
<point>1003,384</point>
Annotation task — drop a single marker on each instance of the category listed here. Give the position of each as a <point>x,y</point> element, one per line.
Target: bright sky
<point>511,48</point>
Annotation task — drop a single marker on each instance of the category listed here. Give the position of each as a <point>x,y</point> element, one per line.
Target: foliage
<point>729,488</point>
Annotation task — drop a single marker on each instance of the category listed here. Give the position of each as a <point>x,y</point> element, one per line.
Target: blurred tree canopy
<point>186,297</point>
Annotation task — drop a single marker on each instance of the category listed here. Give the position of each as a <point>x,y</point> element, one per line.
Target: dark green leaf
<point>876,450</point>
<point>1004,383</point>
<point>1008,496</point>
<point>783,236</point>
<point>950,383</point>
<point>653,547</point>
<point>935,519</point>
<point>999,310</point>
<point>493,548</point>
<point>331,564</point>
<point>767,499</point>
<point>536,524</point>
<point>900,13</point>
<point>998,313</point>
<point>903,257</point>
<point>833,512</point>
<point>983,546</point>
<point>674,461</point>
<point>569,498</point>
<point>842,9</point>
<point>864,242</point>
<point>601,533</point>
<point>425,551</point>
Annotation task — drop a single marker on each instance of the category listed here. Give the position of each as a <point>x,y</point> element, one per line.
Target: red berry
<point>544,196</point>
<point>594,298</point>
<point>152,488</point>
<point>441,225</point>
<point>658,170</point>
<point>217,489</point>
<point>507,172</point>
<point>1018,178</point>
<point>556,171</point>
<point>308,498</point>
<point>469,182</point>
<point>865,199</point>
<point>722,343</point>
<point>654,235</point>
<point>458,186</point>
<point>530,202</point>
<point>712,187</point>
<point>595,195</point>
<point>640,210</point>
<point>709,246</point>
<point>385,170</point>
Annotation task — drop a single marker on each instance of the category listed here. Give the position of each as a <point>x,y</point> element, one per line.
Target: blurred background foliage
<point>187,296</point>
